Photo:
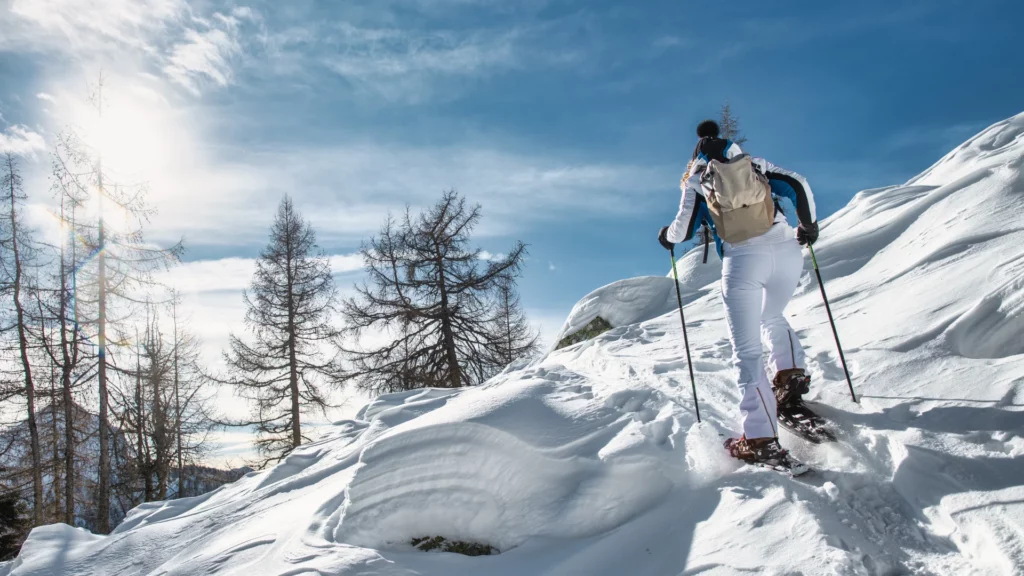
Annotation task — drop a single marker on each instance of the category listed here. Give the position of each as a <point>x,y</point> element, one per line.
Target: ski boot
<point>789,386</point>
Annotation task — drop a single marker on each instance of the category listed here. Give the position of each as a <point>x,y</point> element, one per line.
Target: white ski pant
<point>758,279</point>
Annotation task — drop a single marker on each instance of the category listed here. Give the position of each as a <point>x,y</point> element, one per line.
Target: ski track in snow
<point>590,460</point>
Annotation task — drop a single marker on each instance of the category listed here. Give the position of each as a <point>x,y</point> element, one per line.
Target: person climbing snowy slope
<point>737,197</point>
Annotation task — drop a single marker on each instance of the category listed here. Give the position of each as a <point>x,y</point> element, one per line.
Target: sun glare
<point>129,134</point>
<point>138,137</point>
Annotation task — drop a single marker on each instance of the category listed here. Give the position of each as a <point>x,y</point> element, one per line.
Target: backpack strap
<point>707,240</point>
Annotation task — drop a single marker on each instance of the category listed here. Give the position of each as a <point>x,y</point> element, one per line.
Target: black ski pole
<point>686,341</point>
<point>832,321</point>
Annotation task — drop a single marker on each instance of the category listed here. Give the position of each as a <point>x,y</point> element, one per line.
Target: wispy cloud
<point>74,26</point>
<point>392,52</point>
<point>208,51</point>
<point>663,43</point>
<point>413,64</point>
<point>347,190</point>
<point>140,35</point>
<point>46,97</point>
<point>400,64</point>
<point>21,141</point>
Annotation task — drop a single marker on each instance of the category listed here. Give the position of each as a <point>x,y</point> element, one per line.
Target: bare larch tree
<point>67,346</point>
<point>515,338</point>
<point>193,415</point>
<point>15,243</point>
<point>113,280</point>
<point>432,296</point>
<point>284,370</point>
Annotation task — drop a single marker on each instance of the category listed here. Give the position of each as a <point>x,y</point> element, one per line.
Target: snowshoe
<point>765,453</point>
<point>790,386</point>
<point>805,423</point>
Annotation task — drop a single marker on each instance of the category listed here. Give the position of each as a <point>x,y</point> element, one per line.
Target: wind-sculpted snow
<point>589,461</point>
<point>994,146</point>
<point>476,483</point>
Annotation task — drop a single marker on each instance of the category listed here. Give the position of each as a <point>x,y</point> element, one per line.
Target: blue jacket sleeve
<point>789,184</point>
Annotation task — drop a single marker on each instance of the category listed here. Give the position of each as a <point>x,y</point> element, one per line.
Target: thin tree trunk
<point>103,505</point>
<point>140,419</point>
<point>161,462</point>
<point>293,369</point>
<point>455,371</point>
<point>55,481</point>
<point>68,358</point>
<point>177,403</point>
<point>55,458</point>
<point>26,365</point>
<point>293,379</point>
<point>508,324</point>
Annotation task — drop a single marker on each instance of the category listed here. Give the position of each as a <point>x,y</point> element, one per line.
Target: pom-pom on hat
<point>707,129</point>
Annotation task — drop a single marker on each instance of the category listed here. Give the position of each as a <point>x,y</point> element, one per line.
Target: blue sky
<point>570,122</point>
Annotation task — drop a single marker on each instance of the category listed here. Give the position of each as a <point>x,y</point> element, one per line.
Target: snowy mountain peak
<point>589,461</point>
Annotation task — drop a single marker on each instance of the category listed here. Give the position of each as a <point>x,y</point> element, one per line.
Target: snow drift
<point>589,460</point>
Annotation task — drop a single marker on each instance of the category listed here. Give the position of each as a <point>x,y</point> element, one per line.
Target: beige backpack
<point>739,199</point>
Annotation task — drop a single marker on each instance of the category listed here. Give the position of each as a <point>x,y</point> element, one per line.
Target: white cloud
<point>488,257</point>
<point>86,26</point>
<point>132,35</point>
<point>345,263</point>
<point>235,274</point>
<point>551,266</point>
<point>21,141</point>
<point>202,55</point>
<point>211,275</point>
<point>46,97</point>
<point>208,54</point>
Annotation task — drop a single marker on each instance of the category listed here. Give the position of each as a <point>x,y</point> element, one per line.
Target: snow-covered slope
<point>589,461</point>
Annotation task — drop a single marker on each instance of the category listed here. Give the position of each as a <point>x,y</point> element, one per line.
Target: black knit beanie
<point>707,129</point>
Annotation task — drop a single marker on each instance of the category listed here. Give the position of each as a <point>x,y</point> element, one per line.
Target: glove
<point>807,234</point>
<point>663,239</point>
